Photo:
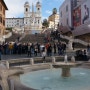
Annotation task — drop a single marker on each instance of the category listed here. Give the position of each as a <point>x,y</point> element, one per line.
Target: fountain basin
<point>65,68</point>
<point>50,79</point>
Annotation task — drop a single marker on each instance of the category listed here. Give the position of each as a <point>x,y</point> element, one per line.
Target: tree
<point>9,29</point>
<point>45,23</point>
<point>54,11</point>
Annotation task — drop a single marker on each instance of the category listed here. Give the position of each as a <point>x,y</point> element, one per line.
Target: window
<point>38,21</point>
<point>38,8</point>
<point>17,20</point>
<point>4,22</point>
<point>0,7</point>
<point>3,11</point>
<point>67,8</point>
<point>26,9</point>
<point>74,3</point>
<point>0,19</point>
<point>61,13</point>
<point>67,21</point>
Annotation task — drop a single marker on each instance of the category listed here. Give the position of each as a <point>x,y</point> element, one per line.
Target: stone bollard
<point>31,61</point>
<point>7,64</point>
<point>73,59</point>
<point>65,59</point>
<point>53,60</point>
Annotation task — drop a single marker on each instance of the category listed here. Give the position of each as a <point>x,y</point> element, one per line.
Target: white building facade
<point>53,21</point>
<point>31,22</point>
<point>32,18</point>
<point>65,13</point>
<point>14,22</point>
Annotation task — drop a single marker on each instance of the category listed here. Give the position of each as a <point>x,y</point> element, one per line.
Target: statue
<point>70,43</point>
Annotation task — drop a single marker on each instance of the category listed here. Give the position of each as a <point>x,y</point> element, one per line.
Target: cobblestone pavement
<point>8,57</point>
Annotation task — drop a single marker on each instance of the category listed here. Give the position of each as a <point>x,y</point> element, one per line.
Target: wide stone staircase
<point>39,38</point>
<point>13,38</point>
<point>32,38</point>
<point>78,43</point>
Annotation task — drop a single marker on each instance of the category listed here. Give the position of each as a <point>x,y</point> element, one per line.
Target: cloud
<point>59,0</point>
<point>48,12</point>
<point>16,7</point>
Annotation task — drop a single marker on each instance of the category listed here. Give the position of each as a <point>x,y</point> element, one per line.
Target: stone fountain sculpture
<point>5,73</point>
<point>65,66</point>
<point>70,43</point>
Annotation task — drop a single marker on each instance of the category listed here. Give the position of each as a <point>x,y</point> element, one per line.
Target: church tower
<point>32,18</point>
<point>26,9</point>
<point>38,8</point>
<point>38,11</point>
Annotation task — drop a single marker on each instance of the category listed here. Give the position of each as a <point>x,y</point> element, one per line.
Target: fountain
<point>65,67</point>
<point>70,43</point>
<point>41,77</point>
<point>50,79</point>
<point>5,72</point>
<point>71,78</point>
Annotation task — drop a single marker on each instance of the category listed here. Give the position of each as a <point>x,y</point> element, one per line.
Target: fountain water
<point>50,79</point>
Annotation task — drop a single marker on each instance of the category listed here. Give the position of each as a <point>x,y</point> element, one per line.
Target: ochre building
<point>3,7</point>
<point>53,21</point>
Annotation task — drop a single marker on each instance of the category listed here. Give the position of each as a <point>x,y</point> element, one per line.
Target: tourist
<point>43,53</point>
<point>85,55</point>
<point>50,50</point>
<point>32,49</point>
<point>55,46</point>
<point>35,50</point>
<point>88,48</point>
<point>0,51</point>
<point>10,48</point>
<point>73,45</point>
<point>63,48</point>
<point>41,49</point>
<point>29,50</point>
<point>47,48</point>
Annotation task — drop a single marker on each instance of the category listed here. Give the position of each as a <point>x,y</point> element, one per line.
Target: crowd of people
<point>32,49</point>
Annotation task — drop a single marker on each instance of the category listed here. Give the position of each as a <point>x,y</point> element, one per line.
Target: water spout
<point>65,59</point>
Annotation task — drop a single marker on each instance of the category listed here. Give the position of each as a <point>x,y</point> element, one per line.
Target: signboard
<point>77,16</point>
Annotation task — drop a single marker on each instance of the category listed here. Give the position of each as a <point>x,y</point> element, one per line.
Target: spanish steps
<point>13,38</point>
<point>33,38</point>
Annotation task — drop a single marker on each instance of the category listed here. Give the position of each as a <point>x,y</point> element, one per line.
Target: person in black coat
<point>0,51</point>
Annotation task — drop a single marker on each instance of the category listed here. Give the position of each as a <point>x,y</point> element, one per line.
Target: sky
<point>16,7</point>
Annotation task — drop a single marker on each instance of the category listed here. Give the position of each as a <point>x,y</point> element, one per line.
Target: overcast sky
<point>16,7</point>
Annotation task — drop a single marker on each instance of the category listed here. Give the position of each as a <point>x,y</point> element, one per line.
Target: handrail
<point>75,40</point>
<point>8,35</point>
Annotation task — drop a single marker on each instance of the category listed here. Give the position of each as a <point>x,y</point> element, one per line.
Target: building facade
<point>32,20</point>
<point>65,13</point>
<point>70,13</point>
<point>53,21</point>
<point>78,14</point>
<point>3,7</point>
<point>32,17</point>
<point>14,22</point>
<point>82,18</point>
<point>85,12</point>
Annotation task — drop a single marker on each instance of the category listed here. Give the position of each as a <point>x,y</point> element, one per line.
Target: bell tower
<point>38,7</point>
<point>26,9</point>
<point>39,15</point>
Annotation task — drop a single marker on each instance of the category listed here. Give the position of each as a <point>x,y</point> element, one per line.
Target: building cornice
<point>2,1</point>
